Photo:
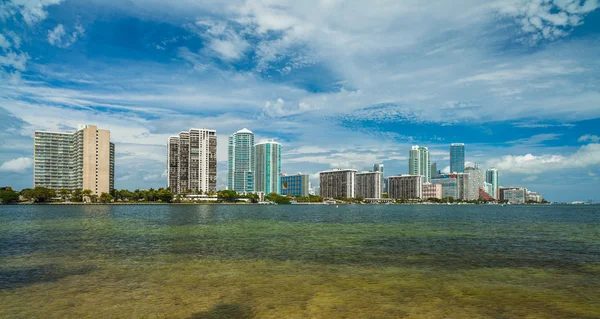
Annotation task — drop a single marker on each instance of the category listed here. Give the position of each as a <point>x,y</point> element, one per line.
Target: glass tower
<point>419,163</point>
<point>491,176</point>
<point>267,167</point>
<point>240,177</point>
<point>457,158</point>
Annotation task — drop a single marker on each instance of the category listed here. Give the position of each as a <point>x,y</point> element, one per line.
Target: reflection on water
<point>224,261</point>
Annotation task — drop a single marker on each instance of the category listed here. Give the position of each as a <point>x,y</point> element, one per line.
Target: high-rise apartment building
<point>476,182</point>
<point>192,161</point>
<point>491,176</point>
<point>82,160</point>
<point>267,167</point>
<point>240,175</point>
<point>295,185</point>
<point>369,184</point>
<point>338,183</point>
<point>419,163</point>
<point>405,187</point>
<point>457,158</point>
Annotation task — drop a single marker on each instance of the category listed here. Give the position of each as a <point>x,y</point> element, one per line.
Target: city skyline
<point>355,84</point>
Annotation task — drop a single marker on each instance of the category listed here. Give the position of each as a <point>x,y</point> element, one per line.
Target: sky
<point>340,83</point>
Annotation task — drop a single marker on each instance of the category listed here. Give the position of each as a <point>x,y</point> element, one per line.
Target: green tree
<point>8,195</point>
<point>77,196</point>
<point>165,195</point>
<point>227,195</point>
<point>359,199</point>
<point>86,195</point>
<point>282,200</point>
<point>64,194</point>
<point>105,198</point>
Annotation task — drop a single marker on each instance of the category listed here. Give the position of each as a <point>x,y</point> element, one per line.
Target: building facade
<point>337,183</point>
<point>434,170</point>
<point>267,167</point>
<point>82,160</point>
<point>419,163</point>
<point>240,173</point>
<point>295,185</point>
<point>476,182</point>
<point>192,162</point>
<point>369,184</point>
<point>432,191</point>
<point>534,197</point>
<point>491,177</point>
<point>405,187</point>
<point>513,195</point>
<point>449,184</point>
<point>457,158</point>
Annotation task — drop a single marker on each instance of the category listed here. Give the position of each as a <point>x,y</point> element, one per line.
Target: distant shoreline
<point>257,204</point>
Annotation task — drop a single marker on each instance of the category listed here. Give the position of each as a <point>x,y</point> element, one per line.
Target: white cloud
<point>18,165</point>
<point>546,19</point>
<point>586,156</point>
<point>32,11</point>
<point>589,138</point>
<point>4,44</point>
<point>14,60</point>
<point>530,178</point>
<point>59,37</point>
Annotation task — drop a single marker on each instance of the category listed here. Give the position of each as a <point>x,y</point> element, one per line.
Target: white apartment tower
<point>192,161</point>
<point>82,160</point>
<point>405,187</point>
<point>369,184</point>
<point>338,183</point>
<point>419,163</point>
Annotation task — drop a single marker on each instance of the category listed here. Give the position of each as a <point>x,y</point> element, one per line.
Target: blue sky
<point>338,83</point>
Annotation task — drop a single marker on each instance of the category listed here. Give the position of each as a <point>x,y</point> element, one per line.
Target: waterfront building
<point>432,191</point>
<point>295,185</point>
<point>84,159</point>
<point>405,187</point>
<point>475,183</point>
<point>491,176</point>
<point>419,163</point>
<point>457,158</point>
<point>192,161</point>
<point>433,169</point>
<point>489,189</point>
<point>514,195</point>
<point>385,185</point>
<point>267,167</point>
<point>449,184</point>
<point>240,161</point>
<point>369,184</point>
<point>534,197</point>
<point>338,183</point>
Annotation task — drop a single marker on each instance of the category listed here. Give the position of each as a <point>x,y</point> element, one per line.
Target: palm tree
<point>86,193</point>
<point>64,193</point>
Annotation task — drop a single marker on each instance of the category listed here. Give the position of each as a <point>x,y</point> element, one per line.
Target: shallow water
<point>356,261</point>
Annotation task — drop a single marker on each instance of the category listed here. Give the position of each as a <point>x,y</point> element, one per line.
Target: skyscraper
<point>378,168</point>
<point>240,175</point>
<point>476,182</point>
<point>419,164</point>
<point>192,161</point>
<point>84,159</point>
<point>491,176</point>
<point>457,158</point>
<point>434,170</point>
<point>267,167</point>
<point>405,187</point>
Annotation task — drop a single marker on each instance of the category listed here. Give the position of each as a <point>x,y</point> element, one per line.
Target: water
<point>356,261</point>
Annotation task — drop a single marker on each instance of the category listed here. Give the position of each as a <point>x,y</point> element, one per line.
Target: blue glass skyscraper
<point>457,158</point>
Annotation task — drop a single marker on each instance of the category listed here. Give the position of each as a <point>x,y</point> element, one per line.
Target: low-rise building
<point>432,191</point>
<point>513,195</point>
<point>405,187</point>
<point>296,185</point>
<point>534,197</point>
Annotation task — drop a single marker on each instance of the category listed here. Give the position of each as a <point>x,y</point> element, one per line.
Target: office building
<point>405,187</point>
<point>378,168</point>
<point>491,176</point>
<point>240,174</point>
<point>457,158</point>
<point>419,163</point>
<point>475,183</point>
<point>513,195</point>
<point>338,183</point>
<point>295,185</point>
<point>192,162</point>
<point>369,184</point>
<point>449,184</point>
<point>82,160</point>
<point>489,189</point>
<point>432,191</point>
<point>267,167</point>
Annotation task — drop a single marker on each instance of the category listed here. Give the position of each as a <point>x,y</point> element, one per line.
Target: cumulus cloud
<point>4,44</point>
<point>278,109</point>
<point>59,37</point>
<point>589,138</point>
<point>31,11</point>
<point>225,42</point>
<point>586,156</point>
<point>17,61</point>
<point>18,165</point>
<point>547,19</point>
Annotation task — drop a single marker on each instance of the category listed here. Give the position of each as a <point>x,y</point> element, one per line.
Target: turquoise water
<point>246,261</point>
